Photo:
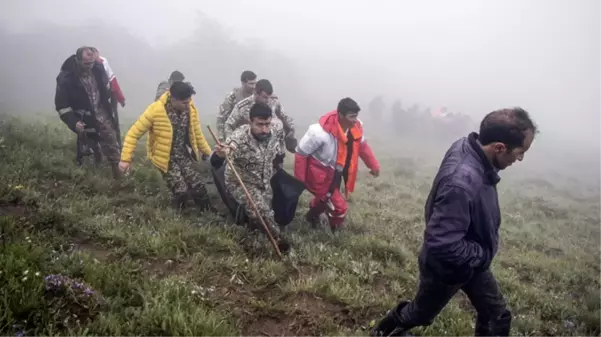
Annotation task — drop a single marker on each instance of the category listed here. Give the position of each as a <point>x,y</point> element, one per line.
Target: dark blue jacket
<point>462,214</point>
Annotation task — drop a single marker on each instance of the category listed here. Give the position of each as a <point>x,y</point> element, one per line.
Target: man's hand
<point>124,166</point>
<point>79,127</point>
<point>123,104</point>
<point>375,173</point>
<point>222,150</point>
<point>204,157</point>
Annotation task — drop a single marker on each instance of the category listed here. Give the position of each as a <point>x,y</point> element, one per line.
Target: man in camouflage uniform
<point>263,93</point>
<point>177,161</point>
<point>164,86</point>
<point>249,80</point>
<point>252,149</point>
<point>82,100</point>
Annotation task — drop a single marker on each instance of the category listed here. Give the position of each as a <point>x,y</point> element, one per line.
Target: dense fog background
<point>470,56</point>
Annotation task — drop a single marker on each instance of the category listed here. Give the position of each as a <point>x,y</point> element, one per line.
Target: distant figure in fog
<point>462,228</point>
<point>164,86</point>
<point>82,100</point>
<point>248,80</point>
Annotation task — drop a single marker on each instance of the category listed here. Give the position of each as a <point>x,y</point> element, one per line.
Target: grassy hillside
<point>148,271</point>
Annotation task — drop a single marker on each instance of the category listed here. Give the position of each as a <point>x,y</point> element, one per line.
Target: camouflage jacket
<point>161,89</point>
<point>240,116</point>
<point>253,159</point>
<point>225,109</point>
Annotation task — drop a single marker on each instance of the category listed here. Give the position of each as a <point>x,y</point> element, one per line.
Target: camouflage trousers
<point>87,145</point>
<point>183,180</point>
<point>107,138</point>
<point>262,199</point>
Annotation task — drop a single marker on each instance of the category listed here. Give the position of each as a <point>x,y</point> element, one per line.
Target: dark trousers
<point>433,294</point>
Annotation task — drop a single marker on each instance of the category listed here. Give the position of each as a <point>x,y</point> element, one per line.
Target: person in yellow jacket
<point>174,140</point>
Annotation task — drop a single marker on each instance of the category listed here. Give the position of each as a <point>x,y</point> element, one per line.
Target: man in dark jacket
<point>82,100</point>
<point>462,228</point>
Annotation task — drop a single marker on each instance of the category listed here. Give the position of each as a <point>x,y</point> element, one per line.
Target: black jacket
<point>71,98</point>
<point>462,213</point>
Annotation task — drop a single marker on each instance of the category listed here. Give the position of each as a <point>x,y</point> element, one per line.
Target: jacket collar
<point>491,173</point>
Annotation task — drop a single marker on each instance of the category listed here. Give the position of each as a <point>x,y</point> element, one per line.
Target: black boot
<point>178,201</point>
<point>391,325</point>
<point>312,217</point>
<point>502,325</point>
<point>283,244</point>
<point>201,199</point>
<point>491,327</point>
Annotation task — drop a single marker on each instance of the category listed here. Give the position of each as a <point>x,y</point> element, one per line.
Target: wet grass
<point>161,273</point>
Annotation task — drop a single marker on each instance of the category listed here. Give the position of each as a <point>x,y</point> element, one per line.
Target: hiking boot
<point>201,199</point>
<point>312,217</point>
<point>283,245</point>
<point>178,201</point>
<point>390,325</point>
<point>493,327</point>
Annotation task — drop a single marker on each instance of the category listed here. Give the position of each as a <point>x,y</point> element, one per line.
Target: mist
<point>471,56</point>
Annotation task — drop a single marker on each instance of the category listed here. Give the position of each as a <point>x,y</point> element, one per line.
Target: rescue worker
<point>328,153</point>
<point>174,140</point>
<point>263,93</point>
<point>462,228</point>
<point>82,101</point>
<point>176,76</point>
<point>117,96</point>
<point>248,80</point>
<point>252,149</point>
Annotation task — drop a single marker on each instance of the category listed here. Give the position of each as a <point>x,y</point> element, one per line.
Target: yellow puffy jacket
<point>155,120</point>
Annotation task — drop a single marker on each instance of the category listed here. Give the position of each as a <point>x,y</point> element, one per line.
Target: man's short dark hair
<point>264,86</point>
<point>181,90</point>
<point>260,110</point>
<point>507,126</point>
<point>247,75</point>
<point>348,105</point>
<point>176,76</point>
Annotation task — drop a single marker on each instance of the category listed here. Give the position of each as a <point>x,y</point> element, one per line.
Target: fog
<point>470,56</point>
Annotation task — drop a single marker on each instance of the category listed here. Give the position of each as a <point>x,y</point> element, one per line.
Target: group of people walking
<point>255,133</point>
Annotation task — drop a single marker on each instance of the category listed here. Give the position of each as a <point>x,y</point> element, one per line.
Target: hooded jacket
<point>71,99</point>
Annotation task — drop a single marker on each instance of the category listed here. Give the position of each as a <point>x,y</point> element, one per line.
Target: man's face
<point>503,158</point>
<point>260,127</point>
<point>88,58</point>
<point>181,104</point>
<point>249,86</point>
<point>262,97</point>
<point>349,120</point>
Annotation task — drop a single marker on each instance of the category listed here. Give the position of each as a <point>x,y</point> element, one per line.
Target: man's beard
<point>263,136</point>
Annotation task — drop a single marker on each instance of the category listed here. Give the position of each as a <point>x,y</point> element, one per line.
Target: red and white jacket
<point>318,155</point>
<point>114,84</point>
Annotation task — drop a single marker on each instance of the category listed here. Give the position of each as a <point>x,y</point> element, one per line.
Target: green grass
<point>160,273</point>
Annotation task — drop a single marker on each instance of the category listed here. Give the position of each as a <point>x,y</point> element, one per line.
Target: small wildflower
<point>193,292</point>
<point>26,272</point>
<point>37,273</point>
<point>24,279</point>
